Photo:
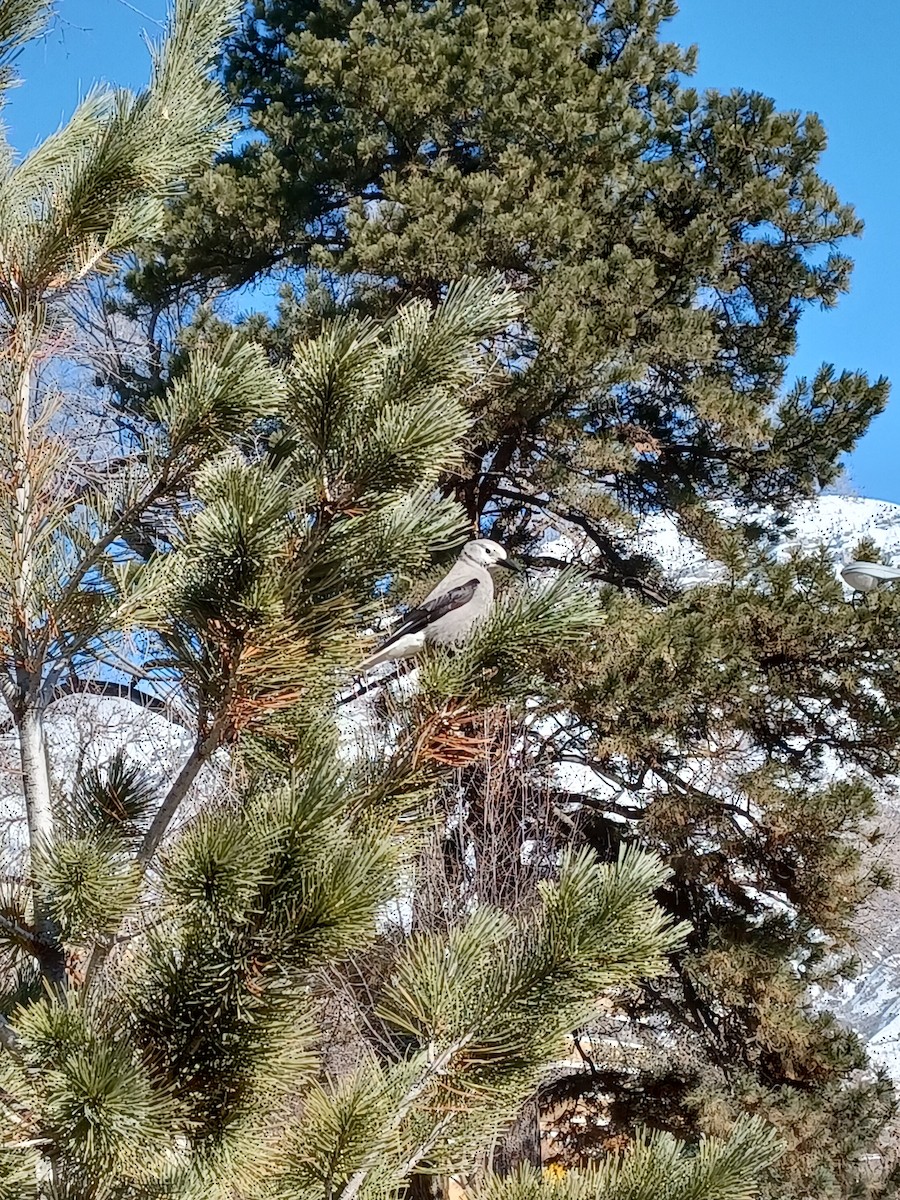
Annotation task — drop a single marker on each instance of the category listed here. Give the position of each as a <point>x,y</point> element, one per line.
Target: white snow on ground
<point>884,1048</point>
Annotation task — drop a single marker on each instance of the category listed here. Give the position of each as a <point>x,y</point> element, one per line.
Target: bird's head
<point>488,554</point>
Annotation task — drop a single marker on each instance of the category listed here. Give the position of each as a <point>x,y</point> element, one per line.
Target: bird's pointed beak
<point>512,564</point>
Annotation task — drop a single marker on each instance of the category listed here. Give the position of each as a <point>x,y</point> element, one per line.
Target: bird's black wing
<point>426,614</point>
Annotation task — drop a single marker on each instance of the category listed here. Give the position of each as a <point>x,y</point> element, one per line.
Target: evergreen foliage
<point>180,1017</point>
<point>664,245</point>
<point>655,1167</point>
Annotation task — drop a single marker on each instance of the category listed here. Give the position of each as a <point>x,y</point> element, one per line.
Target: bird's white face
<point>484,552</point>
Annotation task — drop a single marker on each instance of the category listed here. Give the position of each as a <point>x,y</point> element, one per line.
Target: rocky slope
<point>871,1002</point>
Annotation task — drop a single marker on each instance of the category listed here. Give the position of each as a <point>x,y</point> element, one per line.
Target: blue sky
<point>812,55</point>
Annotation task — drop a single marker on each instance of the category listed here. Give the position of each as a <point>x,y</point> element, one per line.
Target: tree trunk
<point>39,811</point>
<point>200,755</point>
<point>520,1143</point>
<point>427,1187</point>
<point>35,776</point>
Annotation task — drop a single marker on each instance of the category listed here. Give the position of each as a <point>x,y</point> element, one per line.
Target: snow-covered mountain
<point>870,1004</point>
<point>836,522</point>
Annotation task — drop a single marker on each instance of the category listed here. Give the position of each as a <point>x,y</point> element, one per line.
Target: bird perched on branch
<point>867,576</point>
<point>450,611</point>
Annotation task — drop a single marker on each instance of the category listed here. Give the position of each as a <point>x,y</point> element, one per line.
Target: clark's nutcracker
<point>867,576</point>
<point>449,613</point>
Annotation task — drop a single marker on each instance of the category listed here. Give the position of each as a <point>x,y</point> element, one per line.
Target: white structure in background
<point>85,731</point>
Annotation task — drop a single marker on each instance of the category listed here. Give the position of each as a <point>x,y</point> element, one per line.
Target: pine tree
<point>179,1013</point>
<point>664,245</point>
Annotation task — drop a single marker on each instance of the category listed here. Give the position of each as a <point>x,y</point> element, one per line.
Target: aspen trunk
<point>26,705</point>
<point>35,776</point>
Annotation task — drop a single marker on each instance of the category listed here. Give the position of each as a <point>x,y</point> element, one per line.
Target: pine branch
<point>200,755</point>
<point>125,520</point>
<point>376,685</point>
<point>426,1146</point>
<point>437,1067</point>
<point>23,937</point>
<point>619,576</point>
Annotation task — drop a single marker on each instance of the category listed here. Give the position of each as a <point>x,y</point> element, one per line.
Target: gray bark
<point>35,776</point>
<point>39,812</point>
<point>177,792</point>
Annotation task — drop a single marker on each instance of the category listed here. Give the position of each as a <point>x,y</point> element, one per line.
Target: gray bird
<point>450,612</point>
<point>867,576</point>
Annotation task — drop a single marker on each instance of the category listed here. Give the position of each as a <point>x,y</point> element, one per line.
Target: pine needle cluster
<point>178,1018</point>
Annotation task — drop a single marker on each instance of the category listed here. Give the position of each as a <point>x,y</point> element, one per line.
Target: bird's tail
<point>362,689</point>
<point>378,656</point>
